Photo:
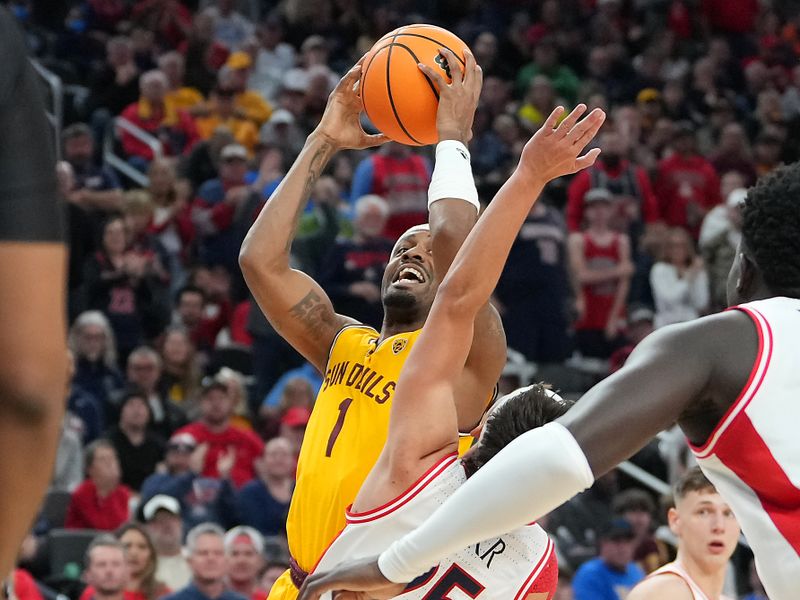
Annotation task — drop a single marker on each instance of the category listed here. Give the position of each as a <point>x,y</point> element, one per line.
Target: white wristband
<point>452,174</point>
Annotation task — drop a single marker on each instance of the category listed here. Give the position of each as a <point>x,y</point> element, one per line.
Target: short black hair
<point>190,289</point>
<point>527,409</point>
<point>770,225</point>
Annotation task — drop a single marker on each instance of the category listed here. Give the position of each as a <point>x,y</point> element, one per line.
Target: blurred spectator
<point>181,96</point>
<point>533,291</point>
<point>96,189</point>
<point>222,112</point>
<point>203,55</point>
<point>640,325</point>
<point>613,574</point>
<point>224,210</point>
<point>163,522</point>
<point>302,383</point>
<point>68,470</point>
<point>123,284</point>
<point>138,450</point>
<point>144,371</point>
<point>263,503</point>
<point>80,237</point>
<point>283,132</point>
<point>244,549</point>
<point>231,28</point>
<point>687,185</point>
<point>716,220</point>
<point>635,205</point>
<point>638,508</point>
<point>399,176</point>
<point>169,20</point>
<point>190,315</point>
<point>275,569</point>
<point>142,559</point>
<point>720,250</point>
<point>237,388</point>
<point>106,569</point>
<point>249,103</point>
<point>293,427</point>
<point>206,550</point>
<point>87,413</point>
<point>214,428</point>
<point>115,84</point>
<point>353,270</point>
<point>177,461</point>
<point>539,101</point>
<point>21,586</point>
<point>733,153</point>
<point>155,113</point>
<point>757,588</point>
<point>180,375</point>
<point>767,151</point>
<point>101,501</point>
<point>601,270</point>
<point>202,163</point>
<point>679,281</point>
<point>546,63</point>
<point>274,57</point>
<point>91,339</point>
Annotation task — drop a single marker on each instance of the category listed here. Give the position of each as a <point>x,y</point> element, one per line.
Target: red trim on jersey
<point>745,452</point>
<point>386,509</point>
<point>748,391</point>
<point>548,559</point>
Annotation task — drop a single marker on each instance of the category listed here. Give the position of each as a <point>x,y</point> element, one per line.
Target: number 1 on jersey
<point>337,428</point>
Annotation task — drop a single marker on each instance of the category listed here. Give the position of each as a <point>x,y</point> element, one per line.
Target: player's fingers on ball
<point>568,124</point>
<point>370,141</point>
<point>456,72</point>
<point>350,78</point>
<point>434,75</point>
<point>551,121</point>
<point>470,66</point>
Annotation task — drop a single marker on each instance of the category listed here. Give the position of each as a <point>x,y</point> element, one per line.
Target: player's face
<point>705,525</point>
<point>408,281</point>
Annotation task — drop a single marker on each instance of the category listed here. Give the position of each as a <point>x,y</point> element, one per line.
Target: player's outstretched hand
<point>340,123</point>
<point>555,149</point>
<point>356,581</point>
<point>458,99</point>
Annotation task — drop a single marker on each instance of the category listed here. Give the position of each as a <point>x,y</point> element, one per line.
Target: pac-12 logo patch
<point>399,345</point>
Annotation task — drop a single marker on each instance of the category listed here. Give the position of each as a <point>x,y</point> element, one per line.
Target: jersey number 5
<point>455,577</point>
<point>337,428</point>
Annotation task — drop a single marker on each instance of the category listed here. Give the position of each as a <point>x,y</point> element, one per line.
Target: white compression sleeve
<point>452,174</point>
<point>534,474</point>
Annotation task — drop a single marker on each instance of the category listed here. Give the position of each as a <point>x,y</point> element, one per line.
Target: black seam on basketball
<point>430,39</point>
<point>391,98</point>
<point>417,60</point>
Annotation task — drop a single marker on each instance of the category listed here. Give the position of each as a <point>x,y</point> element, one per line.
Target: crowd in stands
<point>186,409</point>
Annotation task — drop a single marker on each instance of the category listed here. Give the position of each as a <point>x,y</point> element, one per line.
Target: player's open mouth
<point>409,274</point>
<point>716,547</point>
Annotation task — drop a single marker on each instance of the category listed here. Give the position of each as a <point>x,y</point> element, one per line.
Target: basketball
<point>399,99</point>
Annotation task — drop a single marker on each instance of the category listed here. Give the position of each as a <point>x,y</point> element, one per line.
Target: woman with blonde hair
<point>237,389</point>
<point>181,372</point>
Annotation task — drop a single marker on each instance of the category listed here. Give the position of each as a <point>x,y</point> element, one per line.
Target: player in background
<point>33,257</point>
<point>361,366</point>
<point>707,535</point>
<point>730,380</point>
<point>419,465</point>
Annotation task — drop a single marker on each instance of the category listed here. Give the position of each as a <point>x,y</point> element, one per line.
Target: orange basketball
<point>399,99</point>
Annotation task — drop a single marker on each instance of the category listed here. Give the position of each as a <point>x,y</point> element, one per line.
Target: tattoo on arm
<point>318,162</point>
<point>313,314</point>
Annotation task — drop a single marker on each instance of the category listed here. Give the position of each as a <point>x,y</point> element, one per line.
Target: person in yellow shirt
<point>249,103</point>
<point>349,423</point>
<point>183,97</point>
<point>221,111</point>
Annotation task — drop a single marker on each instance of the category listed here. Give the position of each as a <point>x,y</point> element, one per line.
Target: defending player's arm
<point>453,211</point>
<point>293,302</point>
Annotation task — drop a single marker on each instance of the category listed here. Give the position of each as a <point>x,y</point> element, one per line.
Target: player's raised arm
<point>294,303</point>
<point>453,211</point>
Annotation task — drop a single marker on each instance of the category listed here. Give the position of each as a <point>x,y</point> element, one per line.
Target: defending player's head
<point>409,285</point>
<point>512,415</point>
<point>706,528</point>
<point>768,261</point>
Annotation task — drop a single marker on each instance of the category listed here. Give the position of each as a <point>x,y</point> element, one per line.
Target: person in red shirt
<point>635,204</point>
<point>101,501</point>
<point>687,185</point>
<point>24,586</point>
<point>244,549</point>
<point>214,429</point>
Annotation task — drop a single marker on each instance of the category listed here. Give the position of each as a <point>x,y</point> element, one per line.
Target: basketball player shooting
<point>33,256</point>
<point>730,380</point>
<point>349,423</point>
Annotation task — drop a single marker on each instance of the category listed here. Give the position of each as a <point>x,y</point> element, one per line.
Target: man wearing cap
<point>162,517</point>
<point>613,573</point>
<point>293,427</point>
<point>177,461</point>
<point>249,103</point>
<point>244,550</point>
<point>640,325</point>
<point>214,429</point>
<point>206,549</point>
<point>224,209</point>
<point>687,185</point>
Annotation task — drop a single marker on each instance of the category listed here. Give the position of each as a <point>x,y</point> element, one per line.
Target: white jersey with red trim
<point>677,569</point>
<point>520,565</point>
<point>753,455</point>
